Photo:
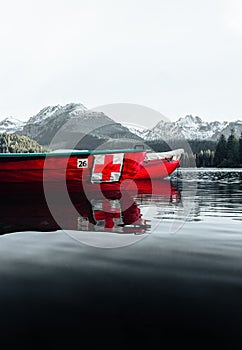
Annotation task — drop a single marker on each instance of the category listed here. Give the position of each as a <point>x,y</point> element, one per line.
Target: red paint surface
<point>64,168</point>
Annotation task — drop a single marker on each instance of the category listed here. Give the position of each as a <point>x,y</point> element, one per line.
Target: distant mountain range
<point>75,122</point>
<point>191,128</point>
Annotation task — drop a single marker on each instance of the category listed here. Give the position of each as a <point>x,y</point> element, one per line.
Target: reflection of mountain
<point>24,207</point>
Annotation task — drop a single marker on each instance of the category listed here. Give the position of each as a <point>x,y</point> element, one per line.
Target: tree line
<point>228,153</point>
<point>225,153</point>
<point>12,143</point>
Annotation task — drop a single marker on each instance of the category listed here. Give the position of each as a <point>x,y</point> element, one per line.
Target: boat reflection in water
<point>24,207</point>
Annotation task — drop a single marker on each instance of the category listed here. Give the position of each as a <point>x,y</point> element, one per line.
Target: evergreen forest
<point>12,143</point>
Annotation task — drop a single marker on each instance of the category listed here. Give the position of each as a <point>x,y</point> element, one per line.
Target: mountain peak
<point>189,120</point>
<point>44,113</point>
<point>73,105</point>
<point>10,120</point>
<point>11,125</point>
<point>53,111</point>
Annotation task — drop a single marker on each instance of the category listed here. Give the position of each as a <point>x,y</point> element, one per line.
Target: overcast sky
<point>175,56</point>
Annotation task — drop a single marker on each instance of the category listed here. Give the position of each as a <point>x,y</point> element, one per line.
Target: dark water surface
<point>177,279</point>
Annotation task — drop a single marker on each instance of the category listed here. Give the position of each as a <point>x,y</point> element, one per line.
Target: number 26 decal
<point>82,163</point>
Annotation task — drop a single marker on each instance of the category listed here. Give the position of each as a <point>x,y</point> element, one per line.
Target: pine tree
<point>240,148</point>
<point>199,162</point>
<point>208,158</point>
<point>233,155</point>
<point>221,151</point>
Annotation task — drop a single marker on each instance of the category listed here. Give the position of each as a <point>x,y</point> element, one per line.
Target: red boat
<point>98,166</point>
<point>159,165</point>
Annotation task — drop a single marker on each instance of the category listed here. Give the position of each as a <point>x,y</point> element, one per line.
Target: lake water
<point>138,269</point>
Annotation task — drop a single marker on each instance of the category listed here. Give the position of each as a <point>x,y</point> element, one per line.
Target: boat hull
<point>157,169</point>
<point>65,167</point>
<point>86,167</point>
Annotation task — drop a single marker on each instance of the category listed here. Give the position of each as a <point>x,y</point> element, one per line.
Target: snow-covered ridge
<point>51,111</point>
<point>138,130</point>
<point>44,114</point>
<point>190,128</point>
<point>196,128</point>
<point>11,125</point>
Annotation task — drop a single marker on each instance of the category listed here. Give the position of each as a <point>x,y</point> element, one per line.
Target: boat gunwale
<point>68,153</point>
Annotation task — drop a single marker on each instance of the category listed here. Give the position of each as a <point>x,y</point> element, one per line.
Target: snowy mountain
<point>11,125</point>
<point>71,123</point>
<point>52,111</point>
<point>74,120</point>
<point>237,126</point>
<point>195,128</point>
<point>190,128</point>
<point>141,132</point>
<point>45,113</point>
